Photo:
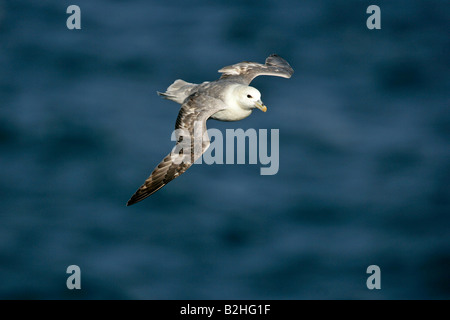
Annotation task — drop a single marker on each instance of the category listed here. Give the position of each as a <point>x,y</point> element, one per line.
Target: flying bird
<point>230,98</point>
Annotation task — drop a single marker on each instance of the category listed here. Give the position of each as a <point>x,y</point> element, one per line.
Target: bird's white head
<point>250,98</point>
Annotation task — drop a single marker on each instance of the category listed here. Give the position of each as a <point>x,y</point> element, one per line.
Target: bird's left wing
<point>190,131</point>
<point>245,72</point>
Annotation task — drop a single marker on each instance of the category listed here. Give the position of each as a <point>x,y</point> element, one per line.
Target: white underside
<point>231,114</point>
<point>234,112</point>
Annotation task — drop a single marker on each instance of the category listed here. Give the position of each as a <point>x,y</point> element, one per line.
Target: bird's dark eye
<point>249,96</point>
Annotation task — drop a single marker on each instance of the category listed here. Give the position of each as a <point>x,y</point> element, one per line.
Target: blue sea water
<point>364,152</point>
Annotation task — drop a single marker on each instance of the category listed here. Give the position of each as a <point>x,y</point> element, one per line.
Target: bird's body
<point>221,89</point>
<point>233,112</point>
<point>229,98</point>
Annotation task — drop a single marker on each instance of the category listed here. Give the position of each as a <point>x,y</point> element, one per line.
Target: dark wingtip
<point>139,196</point>
<point>276,61</point>
<point>135,199</point>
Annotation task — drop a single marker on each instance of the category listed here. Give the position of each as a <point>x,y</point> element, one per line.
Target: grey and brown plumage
<point>227,99</point>
<point>245,72</point>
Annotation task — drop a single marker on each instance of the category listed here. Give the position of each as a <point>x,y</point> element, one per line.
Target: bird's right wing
<point>190,131</point>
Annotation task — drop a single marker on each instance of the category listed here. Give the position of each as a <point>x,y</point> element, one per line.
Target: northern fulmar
<point>229,98</point>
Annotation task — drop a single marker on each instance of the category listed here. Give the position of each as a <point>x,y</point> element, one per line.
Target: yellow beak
<point>260,106</point>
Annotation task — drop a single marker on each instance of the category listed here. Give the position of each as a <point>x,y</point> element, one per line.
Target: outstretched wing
<point>190,129</point>
<point>245,72</point>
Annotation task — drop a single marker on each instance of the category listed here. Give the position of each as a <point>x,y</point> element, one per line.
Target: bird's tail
<point>178,91</point>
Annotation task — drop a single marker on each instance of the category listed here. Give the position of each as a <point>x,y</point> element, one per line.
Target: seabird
<point>230,98</point>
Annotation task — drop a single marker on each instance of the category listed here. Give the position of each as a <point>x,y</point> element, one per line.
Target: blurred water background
<point>364,152</point>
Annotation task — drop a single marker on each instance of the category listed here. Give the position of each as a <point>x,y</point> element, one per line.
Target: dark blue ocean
<point>364,173</point>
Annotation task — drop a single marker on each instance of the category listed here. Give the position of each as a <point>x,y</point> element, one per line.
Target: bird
<point>229,98</point>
